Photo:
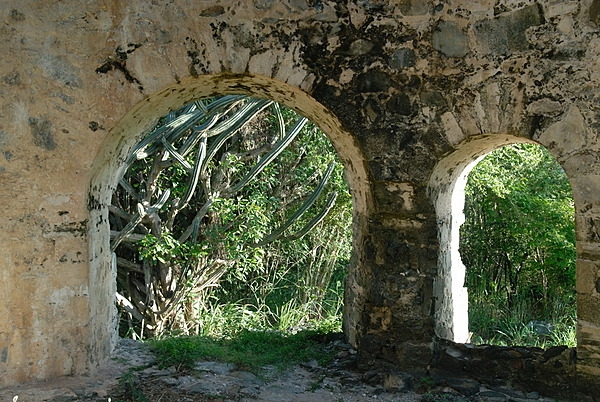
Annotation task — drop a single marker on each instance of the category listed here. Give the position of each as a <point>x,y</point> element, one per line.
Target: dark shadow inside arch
<point>232,213</point>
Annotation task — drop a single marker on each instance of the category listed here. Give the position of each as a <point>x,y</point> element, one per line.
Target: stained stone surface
<point>402,88</point>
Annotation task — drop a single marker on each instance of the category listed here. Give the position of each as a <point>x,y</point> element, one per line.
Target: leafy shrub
<point>518,245</point>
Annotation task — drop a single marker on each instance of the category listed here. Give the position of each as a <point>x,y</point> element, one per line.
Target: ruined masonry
<point>410,92</point>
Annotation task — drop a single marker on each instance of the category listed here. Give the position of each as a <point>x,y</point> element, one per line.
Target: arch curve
<point>446,191</point>
<point>108,167</point>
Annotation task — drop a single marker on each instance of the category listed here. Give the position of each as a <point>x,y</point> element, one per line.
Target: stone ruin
<point>411,94</point>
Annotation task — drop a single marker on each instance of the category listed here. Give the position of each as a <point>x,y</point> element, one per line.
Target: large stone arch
<point>573,144</point>
<point>108,167</point>
<point>446,189</point>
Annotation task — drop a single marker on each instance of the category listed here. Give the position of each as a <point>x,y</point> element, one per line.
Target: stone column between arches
<point>575,145</point>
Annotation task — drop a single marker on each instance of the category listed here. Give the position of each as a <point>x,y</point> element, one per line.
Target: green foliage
<point>167,249</point>
<point>250,350</point>
<point>517,242</point>
<point>426,383</point>
<point>129,387</point>
<point>234,199</point>
<point>492,323</point>
<point>217,318</point>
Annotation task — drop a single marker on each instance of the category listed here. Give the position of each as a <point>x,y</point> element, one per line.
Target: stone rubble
<point>132,372</point>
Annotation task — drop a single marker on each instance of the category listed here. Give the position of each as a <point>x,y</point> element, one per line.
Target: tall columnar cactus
<point>165,225</point>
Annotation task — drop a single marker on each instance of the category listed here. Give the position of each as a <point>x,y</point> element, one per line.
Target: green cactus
<point>177,178</point>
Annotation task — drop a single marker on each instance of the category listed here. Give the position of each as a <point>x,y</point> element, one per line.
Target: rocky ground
<point>131,375</point>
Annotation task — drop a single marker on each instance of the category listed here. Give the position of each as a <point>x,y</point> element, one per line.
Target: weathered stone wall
<point>552,371</point>
<point>397,84</point>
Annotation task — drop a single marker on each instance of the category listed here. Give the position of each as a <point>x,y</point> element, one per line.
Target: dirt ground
<point>131,376</point>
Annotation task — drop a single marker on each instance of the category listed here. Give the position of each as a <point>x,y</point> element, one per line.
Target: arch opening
<point>236,205</point>
<point>447,190</point>
<point>518,244</point>
<point>110,164</point>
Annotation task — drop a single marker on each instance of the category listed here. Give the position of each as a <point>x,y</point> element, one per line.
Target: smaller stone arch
<point>446,191</point>
<point>109,165</point>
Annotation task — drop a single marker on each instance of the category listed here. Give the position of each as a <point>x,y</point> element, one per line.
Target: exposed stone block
<point>587,277</point>
<point>594,11</point>
<point>506,34</point>
<point>588,307</point>
<point>569,133</point>
<point>403,58</point>
<point>449,39</point>
<point>373,81</point>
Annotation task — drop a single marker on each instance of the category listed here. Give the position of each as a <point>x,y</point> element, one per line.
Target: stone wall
<point>398,85</point>
<point>552,371</point>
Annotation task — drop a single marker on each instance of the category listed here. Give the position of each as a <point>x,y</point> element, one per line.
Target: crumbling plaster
<point>399,85</point>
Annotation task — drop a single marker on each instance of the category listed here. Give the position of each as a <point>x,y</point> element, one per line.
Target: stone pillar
<point>389,295</point>
<point>588,282</point>
<point>574,144</point>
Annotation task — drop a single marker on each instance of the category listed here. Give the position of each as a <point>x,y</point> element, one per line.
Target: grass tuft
<point>494,325</point>
<point>248,350</point>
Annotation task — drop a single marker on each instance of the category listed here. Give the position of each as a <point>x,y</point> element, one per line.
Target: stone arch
<point>446,191</point>
<point>109,164</point>
<point>573,143</point>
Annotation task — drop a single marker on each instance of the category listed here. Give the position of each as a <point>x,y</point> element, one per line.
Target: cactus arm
<point>315,220</point>
<point>280,122</point>
<point>185,235</point>
<point>268,157</point>
<point>229,128</point>
<point>176,155</point>
<point>136,219</point>
<point>194,177</point>
<point>305,206</point>
<point>129,189</point>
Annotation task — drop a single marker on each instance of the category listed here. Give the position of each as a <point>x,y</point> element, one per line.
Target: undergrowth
<point>248,350</point>
<point>523,324</point>
<point>250,337</point>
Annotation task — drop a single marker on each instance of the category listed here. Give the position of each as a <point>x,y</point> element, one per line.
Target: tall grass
<point>493,323</point>
<point>248,350</point>
<point>250,336</point>
<point>218,319</point>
